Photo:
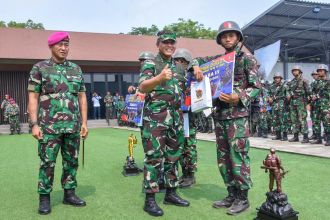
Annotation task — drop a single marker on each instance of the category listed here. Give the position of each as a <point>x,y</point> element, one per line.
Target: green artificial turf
<point>110,195</point>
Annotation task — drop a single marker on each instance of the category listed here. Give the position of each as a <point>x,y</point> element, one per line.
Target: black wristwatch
<point>33,123</point>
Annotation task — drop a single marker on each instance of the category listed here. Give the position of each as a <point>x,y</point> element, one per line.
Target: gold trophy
<point>130,167</point>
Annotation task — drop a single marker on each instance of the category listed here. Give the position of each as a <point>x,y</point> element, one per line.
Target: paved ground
<point>264,143</point>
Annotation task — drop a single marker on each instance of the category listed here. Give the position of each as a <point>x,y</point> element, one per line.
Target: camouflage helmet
<point>276,75</point>
<point>322,67</point>
<point>183,53</point>
<point>296,67</point>
<point>146,55</point>
<point>229,26</point>
<point>314,72</point>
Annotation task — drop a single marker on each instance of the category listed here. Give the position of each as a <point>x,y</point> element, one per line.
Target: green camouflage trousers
<point>162,144</point>
<point>316,113</point>
<point>108,113</point>
<point>298,115</point>
<point>188,159</point>
<point>14,123</point>
<point>262,121</point>
<point>325,116</point>
<point>280,120</point>
<point>48,149</point>
<point>232,152</point>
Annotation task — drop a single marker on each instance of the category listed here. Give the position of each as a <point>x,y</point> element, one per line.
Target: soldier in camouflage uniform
<point>231,121</point>
<point>188,158</point>
<point>298,91</point>
<point>277,99</point>
<point>315,111</point>
<point>4,104</point>
<point>12,114</point>
<point>120,106</point>
<point>162,134</point>
<point>324,103</point>
<point>58,113</point>
<point>108,100</point>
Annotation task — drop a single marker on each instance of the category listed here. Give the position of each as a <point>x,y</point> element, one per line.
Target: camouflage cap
<point>277,75</point>
<point>146,55</point>
<point>322,67</point>
<point>167,36</point>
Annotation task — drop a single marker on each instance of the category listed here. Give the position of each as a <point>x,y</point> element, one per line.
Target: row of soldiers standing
<point>289,102</point>
<point>11,114</point>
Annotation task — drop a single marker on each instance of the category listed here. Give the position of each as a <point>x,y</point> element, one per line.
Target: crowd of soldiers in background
<point>281,107</point>
<point>11,114</point>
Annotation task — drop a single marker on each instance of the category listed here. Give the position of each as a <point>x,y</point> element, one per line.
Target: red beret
<point>56,37</point>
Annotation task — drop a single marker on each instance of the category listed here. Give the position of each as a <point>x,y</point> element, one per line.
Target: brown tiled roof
<point>26,44</point>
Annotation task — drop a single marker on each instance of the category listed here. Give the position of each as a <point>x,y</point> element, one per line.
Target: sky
<point>119,16</point>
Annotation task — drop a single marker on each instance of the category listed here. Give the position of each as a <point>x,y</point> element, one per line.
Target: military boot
<point>313,137</point>
<point>327,143</point>
<point>278,136</point>
<point>228,201</point>
<point>11,132</point>
<point>305,139</point>
<point>264,134</point>
<point>295,138</point>
<point>44,204</point>
<point>317,140</point>
<point>70,198</point>
<point>151,207</point>
<point>18,131</point>
<point>284,136</point>
<point>188,181</point>
<point>240,204</point>
<point>171,198</point>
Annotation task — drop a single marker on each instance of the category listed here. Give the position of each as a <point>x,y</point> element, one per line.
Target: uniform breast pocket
<point>48,85</point>
<point>74,82</point>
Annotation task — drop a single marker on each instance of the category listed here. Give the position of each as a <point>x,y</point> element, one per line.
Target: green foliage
<point>29,24</point>
<point>183,28</point>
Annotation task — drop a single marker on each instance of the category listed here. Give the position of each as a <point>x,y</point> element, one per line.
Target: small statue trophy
<point>130,167</point>
<point>276,206</point>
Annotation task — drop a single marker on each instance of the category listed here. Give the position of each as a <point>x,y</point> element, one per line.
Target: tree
<point>183,28</point>
<point>144,30</point>
<point>29,24</point>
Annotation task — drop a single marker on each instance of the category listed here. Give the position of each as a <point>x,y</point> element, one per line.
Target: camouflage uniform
<point>298,90</point>
<point>108,99</point>
<point>120,106</point>
<point>59,119</point>
<point>254,116</point>
<point>316,107</point>
<point>278,93</point>
<point>162,131</point>
<point>12,114</point>
<point>4,104</point>
<point>325,108</point>
<point>231,123</point>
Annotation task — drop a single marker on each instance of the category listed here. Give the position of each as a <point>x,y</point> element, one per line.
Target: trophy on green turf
<point>130,167</point>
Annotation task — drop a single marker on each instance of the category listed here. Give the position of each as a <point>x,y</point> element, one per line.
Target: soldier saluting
<point>58,115</point>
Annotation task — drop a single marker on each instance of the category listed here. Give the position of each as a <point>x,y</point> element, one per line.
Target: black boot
<point>305,139</point>
<point>317,140</point>
<point>264,134</point>
<point>171,198</point>
<point>151,207</point>
<point>18,131</point>
<point>278,136</point>
<point>70,198</point>
<point>240,204</point>
<point>295,138</point>
<point>327,143</point>
<point>313,137</point>
<point>188,180</point>
<point>284,136</point>
<point>44,204</point>
<point>228,201</point>
<point>11,132</point>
